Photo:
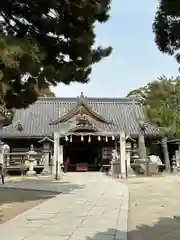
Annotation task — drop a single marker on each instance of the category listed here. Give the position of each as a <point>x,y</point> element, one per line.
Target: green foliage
<point>43,43</point>
<point>167,27</point>
<point>162,103</point>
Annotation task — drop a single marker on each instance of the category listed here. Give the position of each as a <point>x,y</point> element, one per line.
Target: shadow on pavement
<point>42,186</point>
<point>163,229</point>
<point>19,195</point>
<point>16,201</point>
<point>23,196</point>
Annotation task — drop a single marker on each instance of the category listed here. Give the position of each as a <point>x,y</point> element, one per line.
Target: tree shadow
<point>41,185</point>
<point>16,201</point>
<point>163,229</point>
<point>16,198</point>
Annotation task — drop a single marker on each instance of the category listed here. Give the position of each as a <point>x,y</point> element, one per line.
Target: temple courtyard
<point>154,209</point>
<point>90,206</point>
<point>15,201</point>
<point>87,206</point>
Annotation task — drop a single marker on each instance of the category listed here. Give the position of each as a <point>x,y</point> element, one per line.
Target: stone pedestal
<point>130,171</point>
<point>31,171</point>
<point>46,170</point>
<point>115,169</point>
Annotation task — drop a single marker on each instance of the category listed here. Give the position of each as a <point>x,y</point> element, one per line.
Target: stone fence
<point>30,162</point>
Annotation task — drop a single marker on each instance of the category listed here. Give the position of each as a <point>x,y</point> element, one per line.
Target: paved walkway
<point>95,210</point>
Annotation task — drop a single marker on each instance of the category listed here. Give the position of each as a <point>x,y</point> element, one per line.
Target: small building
<point>89,127</point>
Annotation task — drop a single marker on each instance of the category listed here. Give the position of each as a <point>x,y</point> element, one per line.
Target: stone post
<point>122,141</point>
<point>55,152</point>
<point>2,167</point>
<point>130,171</point>
<point>128,154</point>
<point>1,153</point>
<point>46,151</point>
<point>56,168</point>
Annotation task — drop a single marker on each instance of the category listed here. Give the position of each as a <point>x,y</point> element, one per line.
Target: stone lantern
<point>31,161</point>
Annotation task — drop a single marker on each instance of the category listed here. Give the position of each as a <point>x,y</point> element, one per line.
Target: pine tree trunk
<point>143,153</point>
<point>142,147</point>
<point>166,154</point>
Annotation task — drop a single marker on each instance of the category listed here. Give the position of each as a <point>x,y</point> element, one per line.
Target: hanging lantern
<point>106,139</point>
<point>82,138</point>
<point>89,139</point>
<point>99,138</point>
<point>66,138</point>
<point>71,139</point>
<point>113,138</point>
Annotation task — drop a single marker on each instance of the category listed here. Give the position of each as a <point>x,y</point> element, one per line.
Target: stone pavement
<point>95,210</point>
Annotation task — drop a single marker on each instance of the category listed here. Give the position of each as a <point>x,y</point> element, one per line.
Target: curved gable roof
<point>36,119</point>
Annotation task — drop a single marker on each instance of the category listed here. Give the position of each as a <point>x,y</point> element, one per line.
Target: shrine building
<point>88,127</point>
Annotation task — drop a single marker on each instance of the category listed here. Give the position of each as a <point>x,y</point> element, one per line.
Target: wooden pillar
<point>122,141</point>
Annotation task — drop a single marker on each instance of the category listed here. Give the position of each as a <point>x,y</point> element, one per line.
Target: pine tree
<point>167,27</point>
<point>46,43</point>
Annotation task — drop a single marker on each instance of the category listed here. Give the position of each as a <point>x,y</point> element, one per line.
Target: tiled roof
<point>35,120</point>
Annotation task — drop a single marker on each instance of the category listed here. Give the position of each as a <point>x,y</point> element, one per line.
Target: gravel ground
<point>16,201</point>
<point>154,211</point>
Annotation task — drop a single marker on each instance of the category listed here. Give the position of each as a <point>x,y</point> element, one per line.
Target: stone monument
<point>46,152</point>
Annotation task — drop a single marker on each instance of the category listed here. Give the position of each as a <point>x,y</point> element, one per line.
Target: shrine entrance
<point>83,154</point>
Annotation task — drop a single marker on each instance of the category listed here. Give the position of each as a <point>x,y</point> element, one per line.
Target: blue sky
<point>135,60</point>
